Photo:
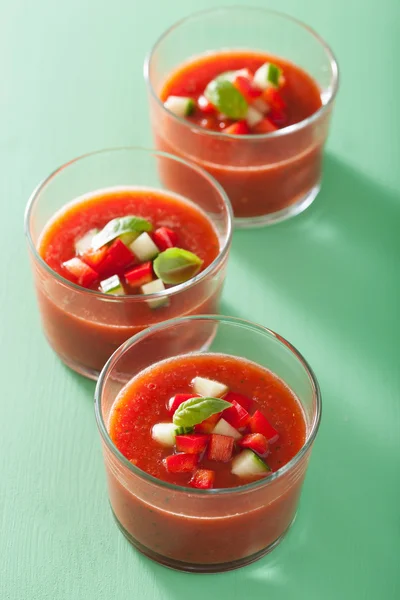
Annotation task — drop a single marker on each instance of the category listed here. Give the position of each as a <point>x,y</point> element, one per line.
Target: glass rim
<point>176,289</point>
<point>220,134</point>
<point>112,361</point>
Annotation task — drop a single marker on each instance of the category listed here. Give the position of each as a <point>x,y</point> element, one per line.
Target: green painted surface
<point>329,281</point>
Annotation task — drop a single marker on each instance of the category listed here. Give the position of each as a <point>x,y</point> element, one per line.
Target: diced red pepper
<point>241,399</point>
<point>246,88</point>
<point>259,424</point>
<point>220,447</point>
<point>208,425</point>
<point>264,126</point>
<point>165,238</point>
<point>274,99</point>
<point>277,117</point>
<point>203,479</point>
<point>95,258</point>
<point>181,463</point>
<point>140,275</point>
<point>81,273</point>
<point>255,441</point>
<point>236,415</point>
<point>177,400</point>
<point>118,257</point>
<point>238,128</point>
<point>205,106</point>
<point>191,443</point>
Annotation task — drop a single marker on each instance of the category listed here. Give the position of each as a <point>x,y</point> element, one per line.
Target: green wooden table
<point>328,281</point>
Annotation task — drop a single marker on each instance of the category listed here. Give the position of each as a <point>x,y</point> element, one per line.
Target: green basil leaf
<point>119,226</point>
<point>226,98</point>
<point>175,265</point>
<point>197,410</point>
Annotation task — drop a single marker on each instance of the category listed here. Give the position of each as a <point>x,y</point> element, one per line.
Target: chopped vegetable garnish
<point>194,411</point>
<point>236,416</point>
<point>180,106</point>
<point>140,275</point>
<point>244,401</point>
<point>164,434</point>
<point>248,464</point>
<point>181,463</point>
<point>119,226</point>
<point>208,387</point>
<point>85,242</point>
<point>144,248</point>
<point>267,75</point>
<point>224,428</point>
<point>256,442</point>
<point>207,425</point>
<point>274,99</point>
<point>152,288</point>
<point>177,400</point>
<point>220,448</point>
<point>191,443</point>
<point>95,258</point>
<point>238,128</point>
<point>265,126</point>
<point>246,88</point>
<point>165,238</point>
<point>203,479</point>
<point>176,265</point>
<point>226,98</point>
<point>259,424</point>
<point>113,286</point>
<point>253,117</point>
<point>117,258</point>
<point>81,272</point>
<point>205,106</point>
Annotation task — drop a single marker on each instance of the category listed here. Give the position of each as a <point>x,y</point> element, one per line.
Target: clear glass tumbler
<point>83,326</point>
<point>268,177</point>
<point>206,530</point>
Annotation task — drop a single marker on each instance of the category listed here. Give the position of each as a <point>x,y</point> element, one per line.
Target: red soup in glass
<point>206,452</point>
<point>247,94</point>
<point>113,251</point>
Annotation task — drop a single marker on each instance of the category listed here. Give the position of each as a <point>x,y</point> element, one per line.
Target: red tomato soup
<point>261,175</point>
<point>82,328</point>
<point>257,431</point>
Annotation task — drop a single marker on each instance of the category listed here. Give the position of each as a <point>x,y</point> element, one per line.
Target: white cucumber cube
<point>112,285</point>
<point>248,464</point>
<point>253,117</point>
<point>208,387</point>
<point>261,77</point>
<point>144,248</point>
<point>225,428</point>
<point>164,434</point>
<point>152,288</point>
<point>85,242</point>
<point>180,106</point>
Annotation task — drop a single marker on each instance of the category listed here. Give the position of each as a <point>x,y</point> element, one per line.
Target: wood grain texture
<point>328,281</point>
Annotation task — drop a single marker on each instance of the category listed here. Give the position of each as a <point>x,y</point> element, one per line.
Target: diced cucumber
<point>152,288</point>
<point>180,106</point>
<point>85,242</point>
<point>260,105</point>
<point>128,238</point>
<point>144,248</point>
<point>209,388</point>
<point>164,433</point>
<point>231,75</point>
<point>248,464</point>
<point>253,116</point>
<point>267,76</point>
<point>225,428</point>
<point>112,285</point>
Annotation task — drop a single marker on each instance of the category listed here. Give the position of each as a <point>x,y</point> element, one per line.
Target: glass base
<point>178,565</point>
<point>281,215</point>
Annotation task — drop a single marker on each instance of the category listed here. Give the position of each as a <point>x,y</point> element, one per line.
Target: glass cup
<point>207,530</point>
<point>83,326</point>
<point>268,177</point>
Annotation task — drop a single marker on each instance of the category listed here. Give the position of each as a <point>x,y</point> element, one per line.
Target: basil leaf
<point>119,226</point>
<point>226,98</point>
<point>175,265</point>
<point>196,410</point>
